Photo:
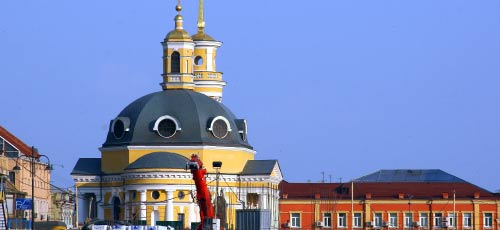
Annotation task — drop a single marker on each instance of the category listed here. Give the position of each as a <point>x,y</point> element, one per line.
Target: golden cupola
<point>178,49</point>
<point>206,78</point>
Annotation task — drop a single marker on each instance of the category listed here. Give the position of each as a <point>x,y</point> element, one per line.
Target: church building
<point>141,176</point>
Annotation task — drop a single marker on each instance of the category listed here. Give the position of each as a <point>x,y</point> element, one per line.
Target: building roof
<point>202,36</point>
<point>177,36</point>
<point>410,175</point>
<point>259,167</point>
<point>193,112</point>
<point>16,142</point>
<point>380,189</point>
<point>87,166</point>
<point>159,160</point>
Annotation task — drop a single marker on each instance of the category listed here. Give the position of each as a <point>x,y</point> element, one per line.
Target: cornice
<point>186,147</point>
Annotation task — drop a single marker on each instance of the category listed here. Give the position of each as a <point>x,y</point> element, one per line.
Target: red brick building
<point>390,199</point>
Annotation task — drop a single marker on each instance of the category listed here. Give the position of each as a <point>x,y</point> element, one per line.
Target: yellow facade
<point>233,159</point>
<point>151,191</point>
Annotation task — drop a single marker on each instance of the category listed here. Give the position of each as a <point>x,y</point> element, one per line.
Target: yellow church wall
<point>107,214</point>
<point>162,211</point>
<point>149,196</point>
<point>185,55</point>
<point>122,197</point>
<point>149,210</point>
<point>202,53</point>
<point>177,210</point>
<point>97,184</point>
<point>233,161</point>
<point>107,197</point>
<point>186,197</point>
<point>158,181</point>
<point>114,161</point>
<point>231,212</point>
<point>208,89</point>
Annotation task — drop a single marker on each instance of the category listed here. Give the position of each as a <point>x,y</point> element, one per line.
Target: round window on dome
<point>119,129</point>
<point>198,60</point>
<point>167,128</point>
<point>220,127</point>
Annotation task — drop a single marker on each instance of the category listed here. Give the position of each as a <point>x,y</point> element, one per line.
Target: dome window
<point>119,126</point>
<point>166,126</point>
<point>198,60</point>
<point>220,127</point>
<point>242,128</point>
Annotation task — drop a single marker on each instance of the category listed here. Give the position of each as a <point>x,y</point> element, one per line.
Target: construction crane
<point>207,216</point>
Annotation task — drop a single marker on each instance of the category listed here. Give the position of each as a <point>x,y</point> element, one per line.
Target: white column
<point>83,209</point>
<point>100,211</point>
<point>170,206</point>
<point>126,206</point>
<point>263,201</point>
<point>192,214</point>
<point>142,205</point>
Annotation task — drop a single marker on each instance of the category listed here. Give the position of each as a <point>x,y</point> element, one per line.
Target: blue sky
<point>341,87</point>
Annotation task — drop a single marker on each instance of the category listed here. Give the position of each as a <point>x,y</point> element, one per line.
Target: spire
<point>178,48</point>
<point>201,20</point>
<point>178,18</point>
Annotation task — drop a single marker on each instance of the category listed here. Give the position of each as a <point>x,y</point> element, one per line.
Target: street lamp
<point>217,165</point>
<point>32,168</point>
<point>410,216</point>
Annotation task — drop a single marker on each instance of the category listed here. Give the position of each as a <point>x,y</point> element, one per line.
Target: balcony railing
<point>211,76</point>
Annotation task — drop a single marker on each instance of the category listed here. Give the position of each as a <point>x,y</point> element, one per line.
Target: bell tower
<point>206,78</point>
<point>178,49</point>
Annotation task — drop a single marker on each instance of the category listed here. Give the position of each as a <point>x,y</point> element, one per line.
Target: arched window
<point>175,62</point>
<point>92,205</point>
<point>116,208</point>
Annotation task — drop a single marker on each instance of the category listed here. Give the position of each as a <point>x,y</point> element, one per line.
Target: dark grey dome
<point>193,112</point>
<point>159,160</point>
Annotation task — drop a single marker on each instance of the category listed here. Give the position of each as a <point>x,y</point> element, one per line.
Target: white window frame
<point>408,220</point>
<point>488,220</point>
<point>438,220</point>
<point>377,219</point>
<point>327,219</point>
<point>341,220</point>
<point>295,219</point>
<point>393,220</point>
<point>452,220</point>
<point>423,219</point>
<point>467,220</point>
<point>357,220</point>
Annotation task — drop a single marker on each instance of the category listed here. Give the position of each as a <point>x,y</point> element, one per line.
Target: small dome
<point>201,36</point>
<point>177,118</point>
<point>177,35</point>
<point>165,160</point>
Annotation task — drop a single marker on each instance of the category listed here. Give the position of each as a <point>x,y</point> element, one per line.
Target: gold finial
<point>201,20</point>
<point>178,8</point>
